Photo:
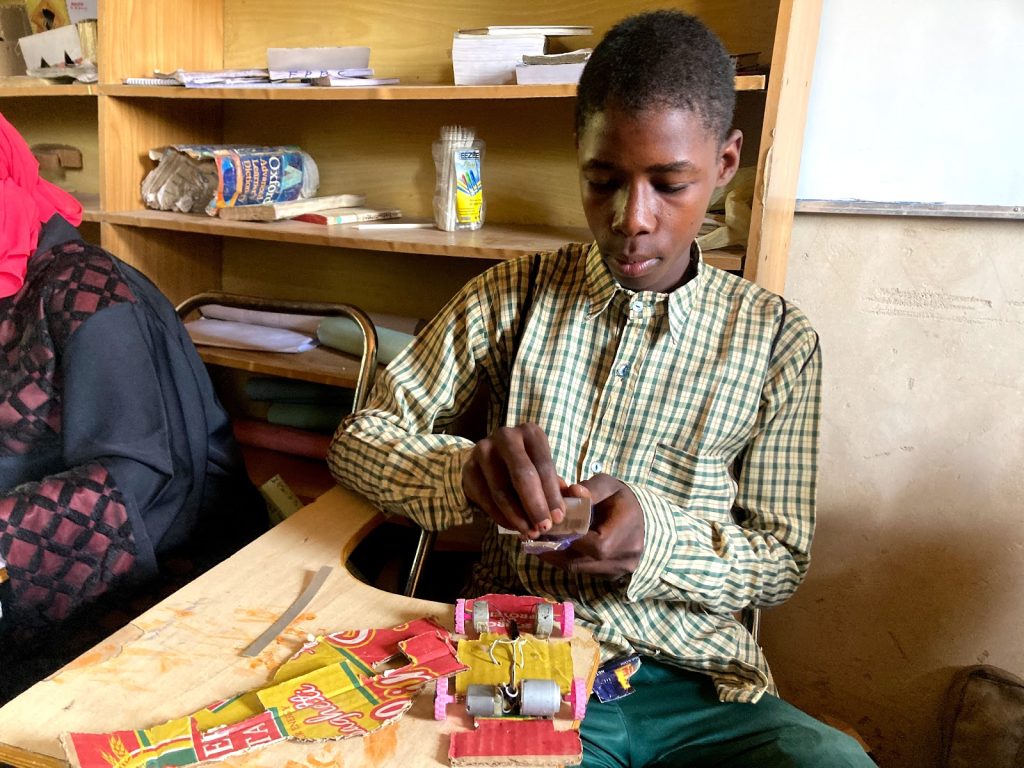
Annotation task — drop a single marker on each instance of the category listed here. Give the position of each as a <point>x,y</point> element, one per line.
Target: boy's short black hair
<point>660,59</point>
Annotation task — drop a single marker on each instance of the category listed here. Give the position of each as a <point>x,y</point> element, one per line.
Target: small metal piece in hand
<point>288,616</point>
<point>579,514</point>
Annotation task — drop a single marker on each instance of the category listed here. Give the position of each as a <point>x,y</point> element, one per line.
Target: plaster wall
<point>918,563</point>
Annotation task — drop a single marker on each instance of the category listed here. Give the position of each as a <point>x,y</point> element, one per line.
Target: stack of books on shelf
<point>343,65</point>
<point>327,210</point>
<point>562,68</point>
<point>353,79</point>
<point>489,55</point>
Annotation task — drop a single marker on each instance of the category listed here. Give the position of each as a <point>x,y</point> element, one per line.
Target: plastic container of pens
<point>459,193</point>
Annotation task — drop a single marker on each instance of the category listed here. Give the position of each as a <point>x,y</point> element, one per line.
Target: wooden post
<point>778,165</point>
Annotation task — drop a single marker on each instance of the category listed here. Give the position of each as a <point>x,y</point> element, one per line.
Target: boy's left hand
<point>613,546</point>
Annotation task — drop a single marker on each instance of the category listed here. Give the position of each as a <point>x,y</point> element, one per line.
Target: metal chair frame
<point>368,362</point>
<point>364,382</point>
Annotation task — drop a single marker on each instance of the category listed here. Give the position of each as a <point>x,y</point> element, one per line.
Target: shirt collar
<point>602,288</point>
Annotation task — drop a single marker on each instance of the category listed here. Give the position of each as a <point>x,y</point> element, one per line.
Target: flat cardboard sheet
<point>330,689</point>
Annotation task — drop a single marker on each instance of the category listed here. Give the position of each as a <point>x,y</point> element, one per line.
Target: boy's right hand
<point>511,477</point>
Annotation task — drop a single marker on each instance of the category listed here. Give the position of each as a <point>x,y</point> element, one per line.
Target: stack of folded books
<point>562,68</point>
<point>489,55</point>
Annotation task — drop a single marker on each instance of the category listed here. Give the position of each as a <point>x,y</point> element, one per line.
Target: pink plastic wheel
<point>568,619</point>
<point>578,698</point>
<point>460,616</point>
<point>442,699</point>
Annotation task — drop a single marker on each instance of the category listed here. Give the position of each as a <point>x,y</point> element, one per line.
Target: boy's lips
<point>634,266</point>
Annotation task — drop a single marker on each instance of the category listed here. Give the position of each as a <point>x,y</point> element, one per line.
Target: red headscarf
<point>26,202</point>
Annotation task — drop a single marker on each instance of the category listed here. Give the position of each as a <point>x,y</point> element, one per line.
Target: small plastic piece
<point>578,698</point>
<point>460,616</point>
<point>442,699</point>
<point>568,620</point>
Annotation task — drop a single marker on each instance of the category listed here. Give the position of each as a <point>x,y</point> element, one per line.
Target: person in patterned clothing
<point>114,450</point>
<point>681,400</point>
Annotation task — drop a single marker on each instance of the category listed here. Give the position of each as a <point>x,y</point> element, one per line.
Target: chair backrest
<point>368,362</point>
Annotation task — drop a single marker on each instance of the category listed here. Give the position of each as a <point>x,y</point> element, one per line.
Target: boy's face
<point>646,179</point>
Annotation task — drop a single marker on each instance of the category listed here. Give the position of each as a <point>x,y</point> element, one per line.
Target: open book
<point>289,210</point>
<point>349,215</point>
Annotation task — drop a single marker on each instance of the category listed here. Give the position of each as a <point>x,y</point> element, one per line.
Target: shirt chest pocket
<point>701,484</point>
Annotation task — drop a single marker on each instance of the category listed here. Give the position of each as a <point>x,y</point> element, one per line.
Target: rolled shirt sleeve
<point>762,558</point>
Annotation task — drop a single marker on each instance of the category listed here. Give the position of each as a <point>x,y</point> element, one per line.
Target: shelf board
<point>729,259</point>
<point>314,93</point>
<point>380,93</point>
<point>321,365</point>
<point>37,86</point>
<point>493,241</point>
<point>90,207</point>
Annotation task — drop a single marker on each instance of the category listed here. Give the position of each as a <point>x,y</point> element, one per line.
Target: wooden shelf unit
<point>321,365</point>
<point>376,141</point>
<point>493,242</point>
<point>31,86</point>
<point>424,92</point>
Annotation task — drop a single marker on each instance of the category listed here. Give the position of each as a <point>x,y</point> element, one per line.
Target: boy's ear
<point>729,157</point>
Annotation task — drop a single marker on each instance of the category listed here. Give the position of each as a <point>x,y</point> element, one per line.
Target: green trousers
<point>674,719</point>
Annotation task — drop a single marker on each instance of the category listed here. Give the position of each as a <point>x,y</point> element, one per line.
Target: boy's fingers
<point>480,479</point>
<point>600,487</point>
<point>524,478</point>
<point>537,448</point>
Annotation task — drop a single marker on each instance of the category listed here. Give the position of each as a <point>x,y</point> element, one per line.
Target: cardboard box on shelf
<point>57,47</point>
<point>13,26</point>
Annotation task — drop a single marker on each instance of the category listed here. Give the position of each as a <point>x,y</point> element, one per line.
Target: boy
<point>681,400</point>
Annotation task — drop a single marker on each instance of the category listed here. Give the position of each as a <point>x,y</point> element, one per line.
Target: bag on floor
<point>983,719</point>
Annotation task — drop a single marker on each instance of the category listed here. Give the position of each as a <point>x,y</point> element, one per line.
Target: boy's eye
<point>671,189</point>
<point>601,185</point>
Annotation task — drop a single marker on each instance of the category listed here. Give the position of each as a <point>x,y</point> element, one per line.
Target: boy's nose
<point>633,212</point>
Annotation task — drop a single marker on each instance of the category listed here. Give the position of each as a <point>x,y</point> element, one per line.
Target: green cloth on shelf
<point>343,334</point>
<point>279,390</point>
<point>318,418</point>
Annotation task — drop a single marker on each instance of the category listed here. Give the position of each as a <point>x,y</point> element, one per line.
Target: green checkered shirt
<point>705,401</point>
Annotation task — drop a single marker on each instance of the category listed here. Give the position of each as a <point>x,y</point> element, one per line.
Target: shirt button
<point>596,467</point>
<point>637,306</point>
<point>622,371</point>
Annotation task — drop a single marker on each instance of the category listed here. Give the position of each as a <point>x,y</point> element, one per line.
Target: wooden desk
<point>184,653</point>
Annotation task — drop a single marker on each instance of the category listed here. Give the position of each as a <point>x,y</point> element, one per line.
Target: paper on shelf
<point>311,62</point>
<point>303,324</point>
<point>491,59</point>
<point>554,74</point>
<point>232,335</point>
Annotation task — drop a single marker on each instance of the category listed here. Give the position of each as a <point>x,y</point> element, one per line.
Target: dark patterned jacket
<point>113,446</point>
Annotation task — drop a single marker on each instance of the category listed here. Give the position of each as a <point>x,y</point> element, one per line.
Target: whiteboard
<point>917,101</point>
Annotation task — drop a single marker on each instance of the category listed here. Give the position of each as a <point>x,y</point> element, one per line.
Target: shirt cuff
<point>659,543</point>
<point>454,497</point>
